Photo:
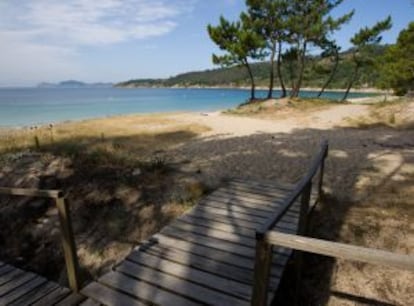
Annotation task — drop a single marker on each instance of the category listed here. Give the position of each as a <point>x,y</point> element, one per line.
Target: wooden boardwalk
<point>204,257</point>
<point>18,287</point>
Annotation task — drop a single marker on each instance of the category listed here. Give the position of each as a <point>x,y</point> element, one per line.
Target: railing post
<point>262,263</point>
<point>302,228</point>
<point>68,242</point>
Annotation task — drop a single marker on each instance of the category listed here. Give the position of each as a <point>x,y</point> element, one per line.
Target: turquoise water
<point>29,106</point>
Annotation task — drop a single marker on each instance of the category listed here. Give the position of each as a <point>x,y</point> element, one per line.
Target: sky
<point>118,40</point>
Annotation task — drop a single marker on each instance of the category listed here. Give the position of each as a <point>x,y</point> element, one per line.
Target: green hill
<point>316,72</point>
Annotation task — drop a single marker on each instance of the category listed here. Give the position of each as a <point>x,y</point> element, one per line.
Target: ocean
<point>36,106</point>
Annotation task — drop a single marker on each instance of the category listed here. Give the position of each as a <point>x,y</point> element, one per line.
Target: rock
<point>136,172</point>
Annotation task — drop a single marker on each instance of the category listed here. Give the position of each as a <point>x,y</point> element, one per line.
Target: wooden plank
<point>18,281</point>
<point>234,216</point>
<point>89,302</point>
<point>145,291</point>
<point>22,290</point>
<point>230,228</point>
<point>109,296</point>
<point>178,286</point>
<point>35,295</point>
<point>211,242</point>
<point>236,223</point>
<point>244,275</point>
<point>30,192</point>
<point>244,199</point>
<point>341,250</point>
<point>201,250</point>
<point>226,213</point>
<point>6,269</point>
<point>72,299</point>
<point>234,207</point>
<point>185,229</point>
<point>10,275</point>
<point>53,297</point>
<point>218,254</point>
<point>263,183</point>
<point>250,194</point>
<point>184,271</point>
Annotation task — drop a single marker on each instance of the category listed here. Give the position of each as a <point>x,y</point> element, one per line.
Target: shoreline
<point>370,90</point>
<point>5,129</point>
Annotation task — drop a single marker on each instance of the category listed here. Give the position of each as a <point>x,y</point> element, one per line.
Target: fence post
<point>321,173</point>
<point>68,242</point>
<point>262,263</point>
<point>302,229</point>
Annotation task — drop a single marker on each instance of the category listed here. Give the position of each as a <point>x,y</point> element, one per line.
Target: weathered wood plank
<point>54,194</point>
<point>10,275</point>
<point>211,265</point>
<point>184,271</point>
<point>72,299</point>
<point>35,295</point>
<point>53,297</point>
<point>18,281</point>
<point>236,223</point>
<point>212,242</point>
<point>206,248</point>
<point>230,228</point>
<point>109,296</point>
<point>179,286</point>
<point>232,207</point>
<point>202,250</point>
<point>145,291</point>
<point>89,302</point>
<point>341,250</point>
<point>22,290</point>
<point>267,184</point>
<point>6,269</point>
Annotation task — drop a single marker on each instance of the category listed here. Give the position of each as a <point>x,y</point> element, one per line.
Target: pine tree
<point>362,42</point>
<point>240,43</point>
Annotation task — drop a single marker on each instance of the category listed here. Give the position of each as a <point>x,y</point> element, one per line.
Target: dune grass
<point>396,114</point>
<point>275,107</point>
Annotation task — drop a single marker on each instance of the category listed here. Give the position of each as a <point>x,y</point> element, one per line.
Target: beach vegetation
<point>240,43</point>
<point>364,39</point>
<point>397,64</point>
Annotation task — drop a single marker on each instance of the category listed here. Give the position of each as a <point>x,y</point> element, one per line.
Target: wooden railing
<point>263,248</point>
<point>267,237</point>
<point>68,241</point>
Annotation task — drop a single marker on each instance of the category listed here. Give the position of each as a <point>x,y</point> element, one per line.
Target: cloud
<point>55,30</point>
<point>90,22</point>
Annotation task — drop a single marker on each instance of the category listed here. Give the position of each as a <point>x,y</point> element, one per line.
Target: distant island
<point>74,84</point>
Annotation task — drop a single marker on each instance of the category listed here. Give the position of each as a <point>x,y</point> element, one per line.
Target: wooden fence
<point>68,241</point>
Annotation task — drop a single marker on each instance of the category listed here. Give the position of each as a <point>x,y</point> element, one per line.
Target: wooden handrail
<point>341,250</point>
<point>68,241</point>
<point>29,192</point>
<point>263,247</point>
<point>294,195</point>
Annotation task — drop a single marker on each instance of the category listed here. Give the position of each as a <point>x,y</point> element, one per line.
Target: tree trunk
<point>279,72</point>
<point>272,68</point>
<point>301,69</point>
<point>331,76</point>
<point>253,87</point>
<point>351,82</point>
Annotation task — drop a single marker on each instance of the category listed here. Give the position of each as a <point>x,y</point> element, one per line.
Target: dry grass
<point>118,177</point>
<point>276,108</point>
<point>397,114</point>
